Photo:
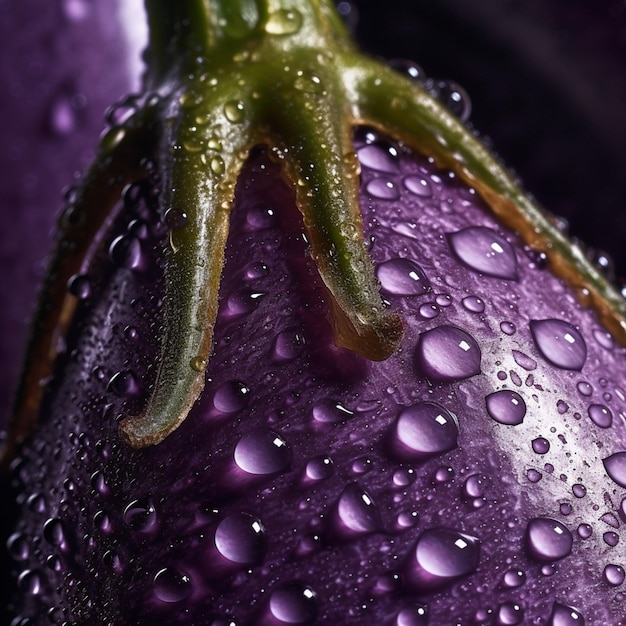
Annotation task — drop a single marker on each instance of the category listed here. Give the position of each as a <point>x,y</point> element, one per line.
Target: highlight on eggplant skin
<point>348,443</point>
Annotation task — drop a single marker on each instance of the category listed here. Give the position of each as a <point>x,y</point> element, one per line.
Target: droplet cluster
<point>478,476</point>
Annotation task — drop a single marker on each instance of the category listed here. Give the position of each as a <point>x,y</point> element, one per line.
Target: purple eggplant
<point>307,354</point>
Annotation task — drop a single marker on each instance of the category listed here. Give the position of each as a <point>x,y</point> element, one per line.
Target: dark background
<point>547,80</point>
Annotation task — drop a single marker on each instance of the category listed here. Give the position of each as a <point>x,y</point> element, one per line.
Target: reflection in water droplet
<point>615,466</point>
<point>614,575</point>
<point>447,353</point>
<point>422,431</point>
<point>294,603</point>
<point>600,415</point>
<point>240,538</point>
<point>565,616</point>
<point>547,539</point>
<point>356,511</point>
<point>18,546</point>
<point>402,277</point>
<point>171,586</point>
<point>440,556</point>
<point>382,189</point>
<point>506,407</point>
<point>483,250</point>
<point>559,343</point>
<point>261,451</point>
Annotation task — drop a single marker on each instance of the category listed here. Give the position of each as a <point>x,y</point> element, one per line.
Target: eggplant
<point>449,450</point>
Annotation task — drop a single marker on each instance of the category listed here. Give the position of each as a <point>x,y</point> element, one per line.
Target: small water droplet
<point>260,217</point>
<point>506,407</point>
<point>379,156</point>
<point>474,304</point>
<point>418,186</point>
<point>584,388</point>
<point>283,22</point>
<point>198,364</point>
<point>429,310</point>
<point>29,581</point>
<point>288,345</point>
<point>615,466</point>
<point>416,615</point>
<point>422,431</point>
<point>614,575</point>
<point>125,251</point>
<point>563,615</point>
<point>18,546</point>
<point>508,328</point>
<point>559,343</point>
<point>455,98</point>
<point>547,539</point>
<point>294,603</point>
<point>600,415</point>
<point>319,468</point>
<point>402,277</point>
<point>234,110</point>
<point>330,412</point>
<point>79,285</point>
<point>603,338</point>
<point>580,491</point>
<point>262,451</point>
<point>447,353</point>
<point>474,486</point>
<point>514,578</point>
<point>140,515</point>
<point>240,538</point>
<point>231,397</point>
<point>484,251</point>
<point>124,384</point>
<point>382,189</point>
<point>584,531</point>
<point>243,301</point>
<point>171,586</point>
<point>540,445</point>
<point>509,613</point>
<point>524,361</point>
<point>441,556</point>
<point>610,538</point>
<point>76,10</point>
<point>357,513</point>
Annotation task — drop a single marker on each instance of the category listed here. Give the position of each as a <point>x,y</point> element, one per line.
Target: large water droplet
<point>53,531</point>
<point>418,186</point>
<point>380,157</point>
<point>422,431</point>
<point>240,538</point>
<point>319,468</point>
<point>140,515</point>
<point>125,251</point>
<point>563,615</point>
<point>615,466</point>
<point>614,575</point>
<point>231,397</point>
<point>382,189</point>
<point>447,353</point>
<point>402,277</point>
<point>357,513</point>
<point>483,250</point>
<point>440,556</point>
<point>171,586</point>
<point>547,539</point>
<point>540,445</point>
<point>293,603</point>
<point>412,616</point>
<point>559,343</point>
<point>514,578</point>
<point>506,407</point>
<point>600,415</point>
<point>510,613</point>
<point>262,451</point>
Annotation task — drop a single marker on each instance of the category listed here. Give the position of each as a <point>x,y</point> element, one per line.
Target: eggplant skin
<point>457,480</point>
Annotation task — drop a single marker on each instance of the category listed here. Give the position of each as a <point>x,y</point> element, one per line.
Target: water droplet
<point>379,156</point>
<point>288,345</point>
<point>614,575</point>
<point>510,613</point>
<point>260,217</point>
<point>404,477</point>
<point>559,343</point>
<point>600,415</point>
<point>79,285</point>
<point>483,250</point>
<point>610,538</point>
<point>319,468</point>
<point>540,445</point>
<point>474,486</point>
<point>242,302</point>
<point>474,304</point>
<point>524,361</point>
<point>584,388</point>
<point>18,546</point>
<point>53,531</point>
<point>422,431</point>
<point>357,513</point>
<point>198,364</point>
<point>126,252</point>
<point>330,412</point>
<point>418,186</point>
<point>547,539</point>
<point>382,189</point>
<point>506,407</point>
<point>508,328</point>
<point>615,466</point>
<point>240,538</point>
<point>402,277</point>
<point>429,310</point>
<point>171,586</point>
<point>457,100</point>
<point>261,451</point>
<point>140,515</point>
<point>293,603</point>
<point>102,521</point>
<point>563,615</point>
<point>440,556</point>
<point>283,22</point>
<point>29,581</point>
<point>234,111</point>
<point>514,578</point>
<point>231,397</point>
<point>447,353</point>
<point>580,491</point>
<point>603,338</point>
<point>584,531</point>
<point>565,508</point>
<point>124,384</point>
<point>416,615</point>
